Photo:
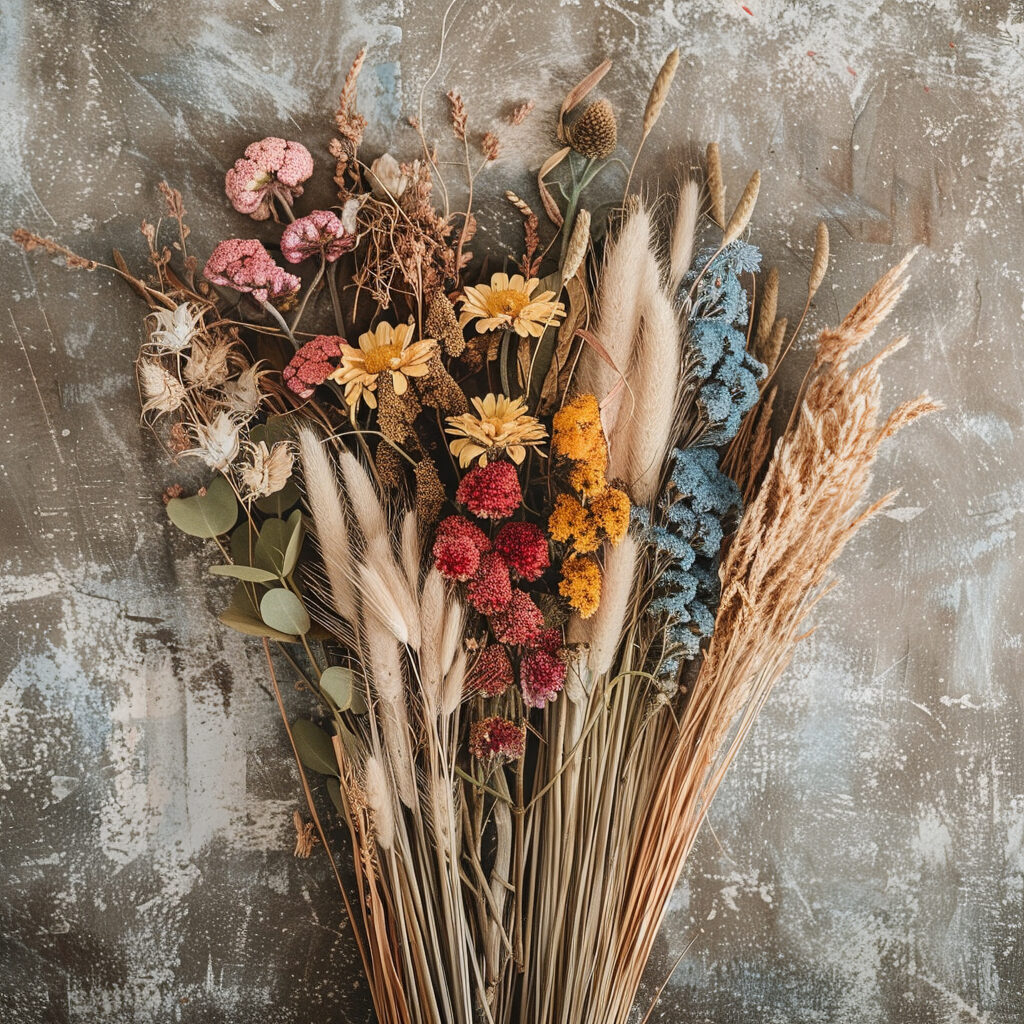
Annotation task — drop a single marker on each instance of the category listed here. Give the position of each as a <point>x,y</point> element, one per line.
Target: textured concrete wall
<point>864,861</point>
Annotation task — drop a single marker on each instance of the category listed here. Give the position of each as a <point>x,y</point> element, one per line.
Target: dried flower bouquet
<point>525,537</point>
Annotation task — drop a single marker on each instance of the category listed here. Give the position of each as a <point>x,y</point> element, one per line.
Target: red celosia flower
<point>519,622</point>
<point>271,167</point>
<point>524,548</point>
<point>456,558</point>
<point>541,676</point>
<point>491,491</point>
<point>490,589</point>
<point>548,640</point>
<point>492,672</point>
<point>460,526</point>
<point>243,264</point>
<point>320,233</point>
<point>497,739</point>
<point>310,365</point>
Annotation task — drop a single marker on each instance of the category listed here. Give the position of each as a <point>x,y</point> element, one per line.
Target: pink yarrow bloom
<point>312,364</point>
<point>271,167</point>
<point>243,264</point>
<point>320,233</point>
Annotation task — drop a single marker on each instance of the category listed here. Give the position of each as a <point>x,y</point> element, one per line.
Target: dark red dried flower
<point>541,676</point>
<point>491,491</point>
<point>492,672</point>
<point>548,640</point>
<point>456,558</point>
<point>519,622</point>
<point>311,364</point>
<point>490,589</point>
<point>460,526</point>
<point>524,548</point>
<point>497,739</point>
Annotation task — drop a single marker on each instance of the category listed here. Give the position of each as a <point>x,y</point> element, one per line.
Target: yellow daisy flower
<point>500,425</point>
<point>509,302</point>
<point>385,349</point>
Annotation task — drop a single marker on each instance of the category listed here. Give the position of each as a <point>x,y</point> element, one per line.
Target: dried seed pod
<point>579,240</point>
<point>819,265</point>
<point>769,352</point>
<point>716,186</point>
<point>744,208</point>
<point>767,308</point>
<point>442,324</point>
<point>594,133</point>
<point>659,91</point>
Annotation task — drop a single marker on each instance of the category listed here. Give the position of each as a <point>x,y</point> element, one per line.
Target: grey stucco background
<point>865,860</point>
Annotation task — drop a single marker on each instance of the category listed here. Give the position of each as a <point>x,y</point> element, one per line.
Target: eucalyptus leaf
<point>271,546</point>
<point>316,751</point>
<point>243,572</point>
<point>243,541</point>
<point>206,515</point>
<point>279,502</point>
<point>334,792</point>
<point>282,610</point>
<point>291,551</point>
<point>338,684</point>
<point>243,615</point>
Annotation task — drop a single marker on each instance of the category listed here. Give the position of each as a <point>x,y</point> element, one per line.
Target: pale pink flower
<point>271,167</point>
<point>243,264</point>
<point>320,233</point>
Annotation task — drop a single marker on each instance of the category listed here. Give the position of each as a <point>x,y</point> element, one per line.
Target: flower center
<point>379,359</point>
<point>507,302</point>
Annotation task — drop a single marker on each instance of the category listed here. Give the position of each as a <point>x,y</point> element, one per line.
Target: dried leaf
<point>550,206</point>
<point>314,747</point>
<point>579,93</point>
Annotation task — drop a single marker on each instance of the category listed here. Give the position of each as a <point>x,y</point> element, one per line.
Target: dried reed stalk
<point>774,572</point>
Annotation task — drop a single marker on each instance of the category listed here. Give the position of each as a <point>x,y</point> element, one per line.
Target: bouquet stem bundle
<point>529,545</point>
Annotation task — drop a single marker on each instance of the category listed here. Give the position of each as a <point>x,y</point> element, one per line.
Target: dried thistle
<point>659,91</point>
<point>267,470</point>
<point>716,185</point>
<point>161,390</point>
<point>744,209</point>
<point>819,265</point>
<point>458,114</point>
<point>594,133</point>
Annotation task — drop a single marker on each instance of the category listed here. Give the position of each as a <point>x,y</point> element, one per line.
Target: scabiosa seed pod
<point>492,672</point>
<point>594,133</point>
<point>524,548</point>
<point>320,233</point>
<point>519,622</point>
<point>311,364</point>
<point>491,491</point>
<point>490,590</point>
<point>541,676</point>
<point>496,739</point>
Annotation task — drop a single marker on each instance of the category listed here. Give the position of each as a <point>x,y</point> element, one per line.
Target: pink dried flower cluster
<point>270,168</point>
<point>524,549</point>
<point>519,622</point>
<point>245,265</point>
<point>541,677</point>
<point>320,233</point>
<point>492,672</point>
<point>491,491</point>
<point>311,364</point>
<point>490,589</point>
<point>458,546</point>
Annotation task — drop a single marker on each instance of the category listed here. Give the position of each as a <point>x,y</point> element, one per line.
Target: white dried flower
<point>349,213</point>
<point>206,366</point>
<point>386,178</point>
<point>175,328</point>
<point>269,469</point>
<point>242,395</point>
<point>161,390</point>
<point>217,441</point>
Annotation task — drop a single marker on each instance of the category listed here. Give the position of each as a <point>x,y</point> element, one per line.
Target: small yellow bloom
<point>569,520</point>
<point>386,349</point>
<point>611,513</point>
<point>509,302</point>
<point>581,584</point>
<point>500,425</point>
<point>576,432</point>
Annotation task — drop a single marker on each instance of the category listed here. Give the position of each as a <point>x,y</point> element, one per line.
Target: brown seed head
<point>716,186</point>
<point>594,133</point>
<point>819,265</point>
<point>744,209</point>
<point>659,91</point>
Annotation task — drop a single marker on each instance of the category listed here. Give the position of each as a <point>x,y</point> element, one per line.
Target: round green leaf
<point>243,615</point>
<point>272,545</point>
<point>316,751</point>
<point>243,572</point>
<point>279,502</point>
<point>337,683</point>
<point>206,515</point>
<point>282,610</point>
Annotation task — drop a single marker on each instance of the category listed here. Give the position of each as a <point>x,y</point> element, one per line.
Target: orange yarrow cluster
<point>596,512</point>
